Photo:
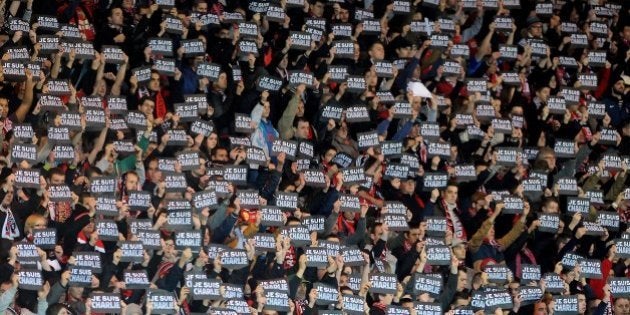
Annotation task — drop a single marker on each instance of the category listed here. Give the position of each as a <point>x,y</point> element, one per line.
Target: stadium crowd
<point>314,157</point>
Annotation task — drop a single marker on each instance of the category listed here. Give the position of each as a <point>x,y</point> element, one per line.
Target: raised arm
<point>27,100</point>
<point>98,143</point>
<point>485,47</point>
<point>120,76</point>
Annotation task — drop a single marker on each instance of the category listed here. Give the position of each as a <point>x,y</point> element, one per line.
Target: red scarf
<point>164,268</point>
<point>160,105</point>
<point>345,226</point>
<point>290,258</point>
<point>379,305</point>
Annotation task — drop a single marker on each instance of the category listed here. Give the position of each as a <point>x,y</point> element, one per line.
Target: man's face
<point>460,252</point>
<point>543,94</point>
<point>348,215</point>
<point>75,292</point>
<point>154,84</point>
<point>554,21</point>
<point>514,289</point>
<point>540,308</point>
<point>153,173</point>
<point>450,195</point>
<point>344,15</point>
<point>377,52</point>
<point>408,186</point>
<point>147,108</point>
<point>8,197</point>
<point>127,4</point>
<point>224,34</point>
<point>202,7</point>
<point>378,231</point>
<point>622,305</point>
<point>329,155</point>
<point>169,249</point>
<point>57,179</point>
<point>300,109</point>
<point>462,281</point>
<point>412,235</point>
<point>302,129</point>
<point>317,9</point>
<point>582,303</point>
<point>4,107</point>
<point>266,110</point>
<point>201,170</point>
<point>551,207</point>
<point>536,29</point>
<point>284,63</point>
<point>117,17</point>
<point>619,87</point>
<point>221,83</point>
<point>220,155</point>
<point>387,299</point>
<point>551,160</point>
<point>132,182</point>
<point>403,52</point>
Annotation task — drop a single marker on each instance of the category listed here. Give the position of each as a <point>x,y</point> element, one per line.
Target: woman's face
<point>211,141</point>
<point>371,79</point>
<point>343,130</point>
<point>58,252</point>
<point>206,237</point>
<point>102,88</point>
<point>39,224</point>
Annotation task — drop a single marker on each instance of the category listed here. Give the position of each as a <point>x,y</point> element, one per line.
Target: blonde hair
<point>31,221</point>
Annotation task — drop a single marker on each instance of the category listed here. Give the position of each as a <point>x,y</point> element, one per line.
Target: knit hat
<point>533,20</point>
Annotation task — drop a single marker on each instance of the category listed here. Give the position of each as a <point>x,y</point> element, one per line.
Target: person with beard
<point>219,156</point>
<point>617,101</point>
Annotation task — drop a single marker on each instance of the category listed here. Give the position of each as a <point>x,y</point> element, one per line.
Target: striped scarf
<point>453,222</point>
<point>9,227</point>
